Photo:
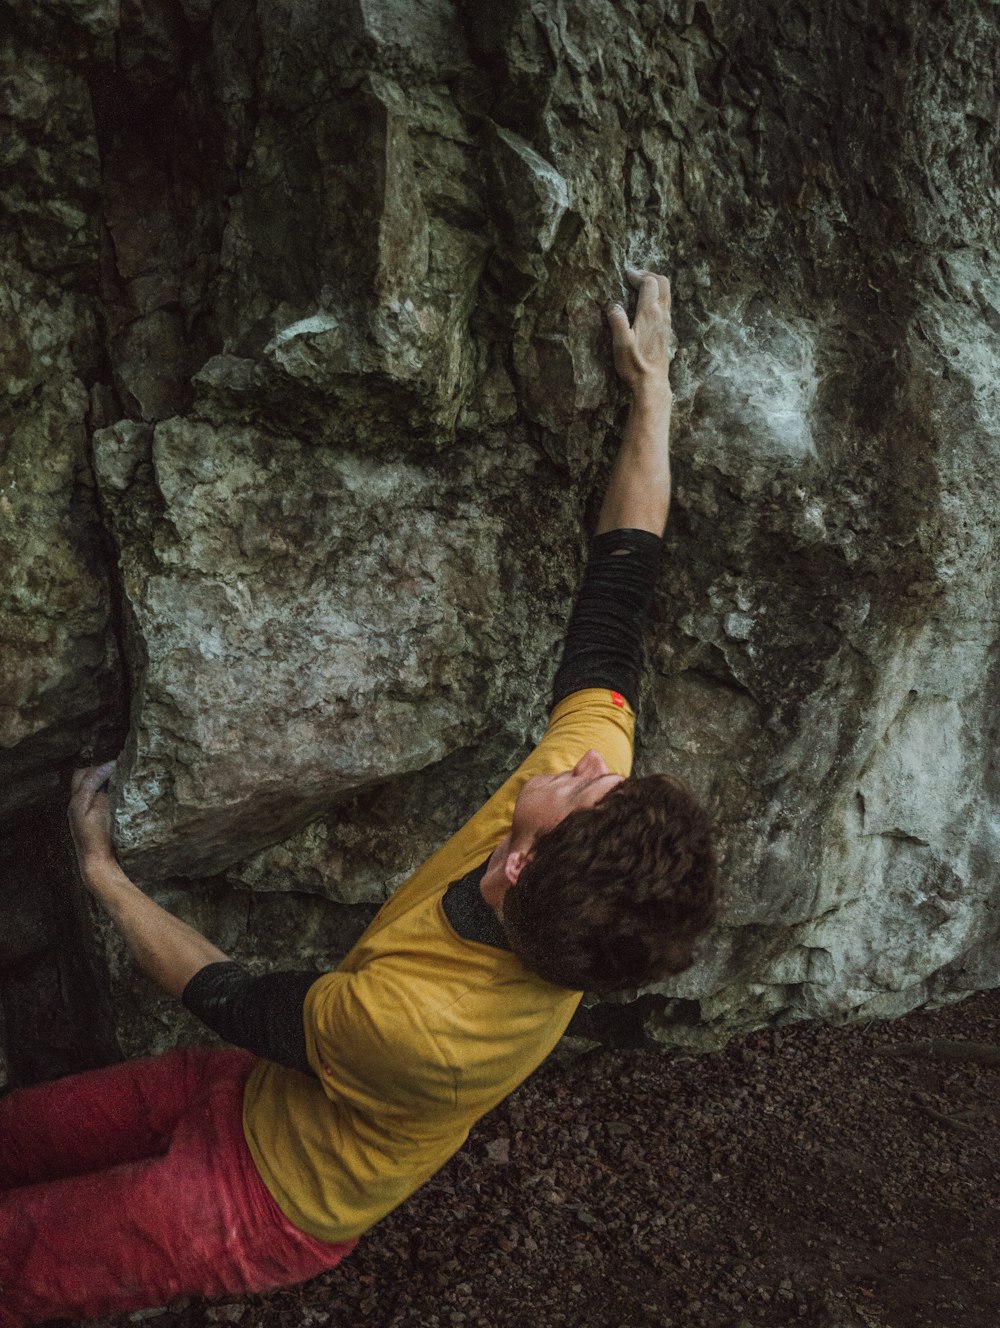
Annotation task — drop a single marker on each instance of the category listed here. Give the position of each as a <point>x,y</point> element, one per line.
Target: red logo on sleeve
<point>617,699</point>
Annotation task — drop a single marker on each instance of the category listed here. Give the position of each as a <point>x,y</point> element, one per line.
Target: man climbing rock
<point>221,1172</point>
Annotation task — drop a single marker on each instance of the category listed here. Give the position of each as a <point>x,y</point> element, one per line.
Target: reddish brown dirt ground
<point>801,1177</point>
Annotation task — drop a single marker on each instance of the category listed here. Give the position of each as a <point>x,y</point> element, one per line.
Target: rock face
<point>58,660</point>
<point>298,642</point>
<point>308,398</point>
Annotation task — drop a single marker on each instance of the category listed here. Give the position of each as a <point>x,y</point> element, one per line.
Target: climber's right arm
<point>638,493</point>
<point>603,646</point>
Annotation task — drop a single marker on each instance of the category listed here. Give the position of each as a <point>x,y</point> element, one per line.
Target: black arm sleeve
<point>263,1014</point>
<point>604,639</point>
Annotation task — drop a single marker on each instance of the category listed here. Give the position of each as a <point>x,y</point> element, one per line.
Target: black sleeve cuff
<point>604,639</point>
<point>263,1014</point>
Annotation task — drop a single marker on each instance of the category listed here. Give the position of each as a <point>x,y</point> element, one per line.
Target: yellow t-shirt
<point>419,1032</point>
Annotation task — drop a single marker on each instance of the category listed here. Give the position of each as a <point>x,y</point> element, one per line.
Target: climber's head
<point>616,882</point>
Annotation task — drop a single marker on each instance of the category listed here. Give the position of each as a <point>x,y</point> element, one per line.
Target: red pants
<point>124,1188</point>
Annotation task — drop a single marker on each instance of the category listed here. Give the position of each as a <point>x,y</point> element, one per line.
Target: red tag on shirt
<point>617,699</point>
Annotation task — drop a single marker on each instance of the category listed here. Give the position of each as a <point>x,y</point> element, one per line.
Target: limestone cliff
<point>307,402</point>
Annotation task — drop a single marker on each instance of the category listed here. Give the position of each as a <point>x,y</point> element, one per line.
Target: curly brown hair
<point>615,895</point>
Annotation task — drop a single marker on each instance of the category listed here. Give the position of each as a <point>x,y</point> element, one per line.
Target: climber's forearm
<point>638,495</point>
<point>164,947</point>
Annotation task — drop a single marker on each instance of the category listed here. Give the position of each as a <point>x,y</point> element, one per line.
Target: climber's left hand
<point>90,815</point>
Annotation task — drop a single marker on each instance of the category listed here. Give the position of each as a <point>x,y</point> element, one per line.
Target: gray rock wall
<point>309,403</point>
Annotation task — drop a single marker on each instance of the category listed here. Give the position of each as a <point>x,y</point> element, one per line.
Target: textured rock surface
<point>333,281</point>
<point>311,622</point>
<point>58,663</point>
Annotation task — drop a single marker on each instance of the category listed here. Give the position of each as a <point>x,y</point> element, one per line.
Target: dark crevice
<point>614,1025</point>
<point>105,407</point>
<point>114,736</point>
<point>54,983</point>
<point>54,988</point>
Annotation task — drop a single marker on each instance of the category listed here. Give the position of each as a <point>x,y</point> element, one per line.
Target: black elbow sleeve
<point>263,1014</point>
<point>604,641</point>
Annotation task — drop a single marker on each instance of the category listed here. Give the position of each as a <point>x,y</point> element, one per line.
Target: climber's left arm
<point>163,946</point>
<point>263,1014</point>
